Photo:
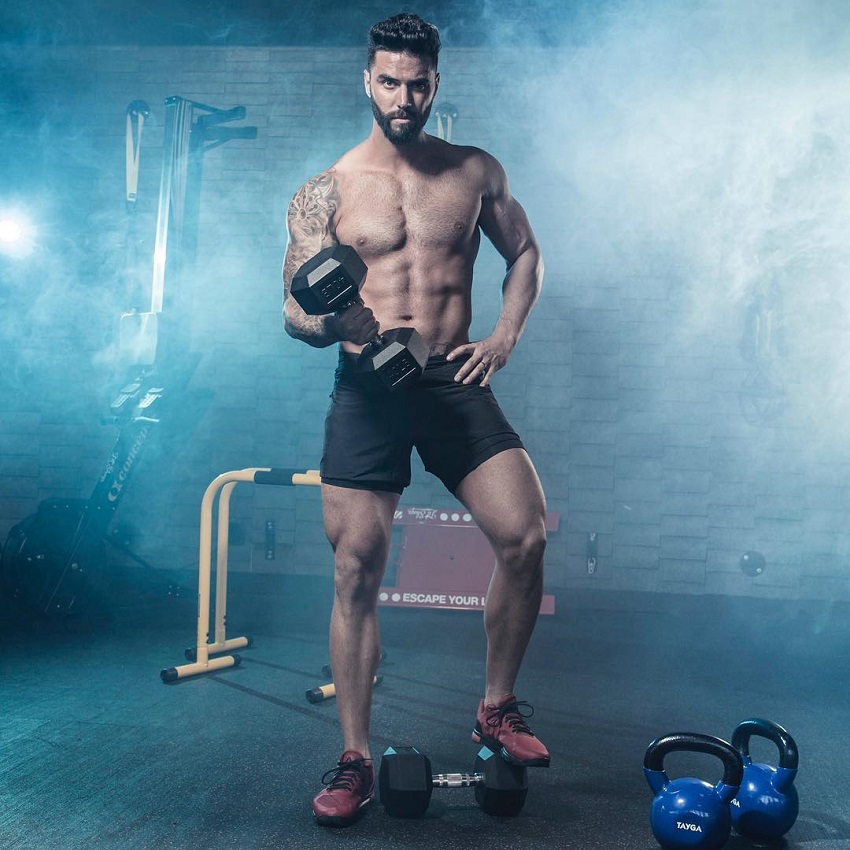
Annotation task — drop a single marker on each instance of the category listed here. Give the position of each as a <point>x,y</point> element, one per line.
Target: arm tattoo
<point>314,206</point>
<point>310,220</point>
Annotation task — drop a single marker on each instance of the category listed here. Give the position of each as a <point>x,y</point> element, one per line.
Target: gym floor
<point>97,753</point>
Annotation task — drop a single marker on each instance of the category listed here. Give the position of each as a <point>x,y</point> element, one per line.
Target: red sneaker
<point>348,790</point>
<point>502,728</point>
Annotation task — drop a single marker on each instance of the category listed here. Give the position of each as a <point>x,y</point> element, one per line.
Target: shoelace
<point>514,716</point>
<point>344,776</point>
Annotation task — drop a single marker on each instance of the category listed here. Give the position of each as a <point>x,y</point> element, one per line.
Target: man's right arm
<point>310,225</point>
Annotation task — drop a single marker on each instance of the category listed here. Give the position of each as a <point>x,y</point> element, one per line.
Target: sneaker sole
<point>493,745</point>
<point>337,821</point>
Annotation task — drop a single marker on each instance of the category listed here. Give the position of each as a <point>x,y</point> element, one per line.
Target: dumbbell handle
<point>377,341</point>
<point>457,780</point>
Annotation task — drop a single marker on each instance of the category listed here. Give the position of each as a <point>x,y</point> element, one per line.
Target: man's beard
<point>405,133</point>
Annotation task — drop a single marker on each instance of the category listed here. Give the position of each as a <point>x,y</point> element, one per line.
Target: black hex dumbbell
<point>330,282</point>
<point>406,783</point>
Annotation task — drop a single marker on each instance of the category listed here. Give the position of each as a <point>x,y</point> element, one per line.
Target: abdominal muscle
<point>417,234</point>
<point>430,292</point>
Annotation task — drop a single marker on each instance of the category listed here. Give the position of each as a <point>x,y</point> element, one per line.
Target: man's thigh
<point>358,523</point>
<point>505,497</point>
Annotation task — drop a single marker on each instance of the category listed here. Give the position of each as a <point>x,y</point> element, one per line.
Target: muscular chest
<point>383,213</point>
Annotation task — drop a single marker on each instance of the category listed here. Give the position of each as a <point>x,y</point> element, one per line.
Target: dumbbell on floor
<point>330,282</point>
<point>406,783</point>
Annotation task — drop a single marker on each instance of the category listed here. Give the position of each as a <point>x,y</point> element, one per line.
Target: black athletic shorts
<point>370,430</point>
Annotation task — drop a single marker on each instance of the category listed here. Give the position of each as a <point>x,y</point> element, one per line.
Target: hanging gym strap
<point>182,139</point>
<point>178,124</point>
<point>137,112</point>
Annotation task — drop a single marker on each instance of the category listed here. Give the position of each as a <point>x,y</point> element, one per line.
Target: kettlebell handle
<point>733,766</point>
<point>788,755</point>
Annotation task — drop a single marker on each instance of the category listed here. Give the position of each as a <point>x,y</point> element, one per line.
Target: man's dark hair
<point>404,33</point>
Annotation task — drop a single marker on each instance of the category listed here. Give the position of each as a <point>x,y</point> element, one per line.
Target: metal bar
<point>224,485</point>
<point>178,122</point>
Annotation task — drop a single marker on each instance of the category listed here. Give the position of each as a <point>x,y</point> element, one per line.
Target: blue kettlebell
<point>767,804</point>
<point>689,812</point>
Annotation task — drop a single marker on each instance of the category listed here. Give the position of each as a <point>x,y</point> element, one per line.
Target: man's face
<point>402,88</point>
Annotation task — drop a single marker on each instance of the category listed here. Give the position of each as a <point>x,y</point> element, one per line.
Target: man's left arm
<point>504,222</point>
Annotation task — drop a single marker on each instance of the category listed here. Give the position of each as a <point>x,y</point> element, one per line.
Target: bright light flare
<point>16,235</point>
<point>10,231</point>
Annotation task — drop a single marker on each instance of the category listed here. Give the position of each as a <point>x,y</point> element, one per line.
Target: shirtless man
<point>414,207</point>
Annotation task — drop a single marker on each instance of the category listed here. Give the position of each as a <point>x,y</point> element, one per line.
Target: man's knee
<point>533,546</point>
<point>357,577</point>
<point>525,549</point>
